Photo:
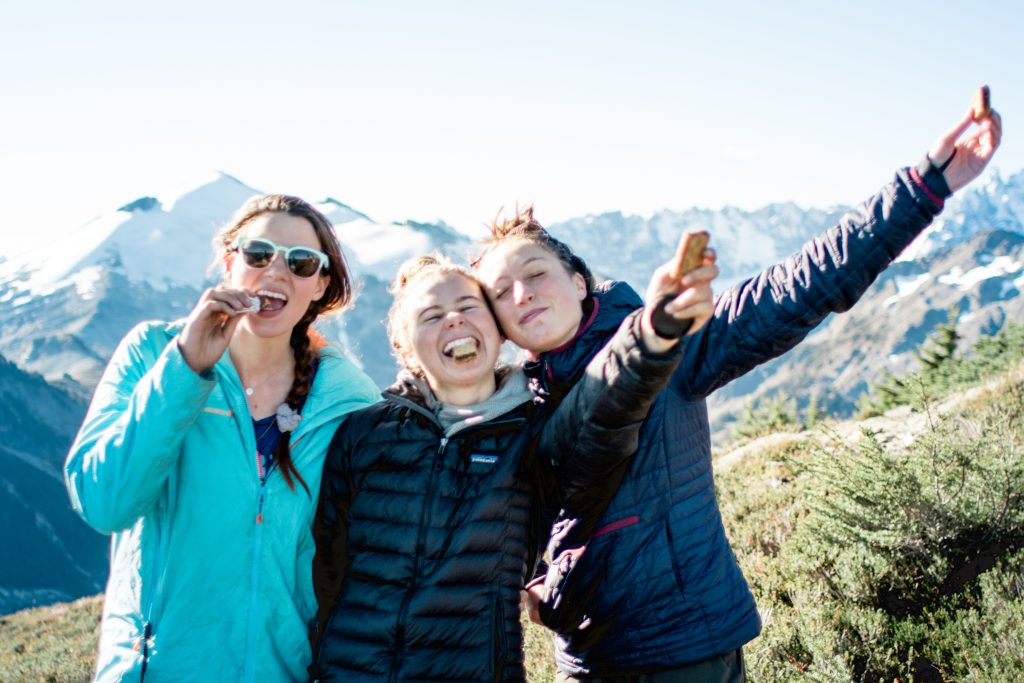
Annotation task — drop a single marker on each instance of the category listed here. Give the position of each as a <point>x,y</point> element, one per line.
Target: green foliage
<point>941,372</point>
<point>888,558</point>
<point>774,413</point>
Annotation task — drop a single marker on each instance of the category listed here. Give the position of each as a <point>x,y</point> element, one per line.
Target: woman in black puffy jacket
<point>433,501</point>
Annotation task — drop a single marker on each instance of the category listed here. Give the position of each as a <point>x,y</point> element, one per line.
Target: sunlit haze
<point>450,110</point>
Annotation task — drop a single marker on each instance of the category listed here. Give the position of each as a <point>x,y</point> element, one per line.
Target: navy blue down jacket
<point>654,584</point>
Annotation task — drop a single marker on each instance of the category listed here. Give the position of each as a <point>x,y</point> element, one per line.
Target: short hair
<point>523,226</point>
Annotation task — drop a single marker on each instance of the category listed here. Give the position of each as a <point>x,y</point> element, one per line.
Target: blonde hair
<point>523,226</point>
<point>411,271</point>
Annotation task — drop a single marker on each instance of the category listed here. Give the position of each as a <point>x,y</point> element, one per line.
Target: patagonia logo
<point>483,459</point>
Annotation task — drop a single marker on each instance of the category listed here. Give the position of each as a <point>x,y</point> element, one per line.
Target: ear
<point>321,286</point>
<point>581,286</point>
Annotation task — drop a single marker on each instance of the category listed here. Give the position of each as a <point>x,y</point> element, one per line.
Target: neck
<point>256,359</point>
<point>466,395</point>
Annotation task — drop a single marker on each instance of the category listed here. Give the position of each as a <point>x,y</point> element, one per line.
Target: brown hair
<point>410,271</point>
<point>523,226</point>
<point>305,341</point>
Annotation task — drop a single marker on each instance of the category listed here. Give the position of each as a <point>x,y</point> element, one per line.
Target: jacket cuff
<point>929,178</point>
<point>636,329</point>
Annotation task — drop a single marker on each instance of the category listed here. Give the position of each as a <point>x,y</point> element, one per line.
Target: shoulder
<point>340,379</point>
<point>146,341</point>
<point>150,332</point>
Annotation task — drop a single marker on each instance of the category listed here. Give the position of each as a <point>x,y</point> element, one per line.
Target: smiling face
<point>284,297</point>
<point>536,299</point>
<point>450,336</point>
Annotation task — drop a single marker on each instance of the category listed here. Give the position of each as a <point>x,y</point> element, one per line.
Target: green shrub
<point>896,561</point>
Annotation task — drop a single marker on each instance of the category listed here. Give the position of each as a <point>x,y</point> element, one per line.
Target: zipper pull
<point>439,462</point>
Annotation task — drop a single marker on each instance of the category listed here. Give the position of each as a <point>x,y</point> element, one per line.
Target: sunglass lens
<point>257,253</point>
<point>303,263</point>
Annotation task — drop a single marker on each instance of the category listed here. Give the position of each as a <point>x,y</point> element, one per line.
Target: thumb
<point>944,146</point>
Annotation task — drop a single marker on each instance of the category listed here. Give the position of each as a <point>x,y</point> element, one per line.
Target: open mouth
<point>271,301</point>
<point>462,350</point>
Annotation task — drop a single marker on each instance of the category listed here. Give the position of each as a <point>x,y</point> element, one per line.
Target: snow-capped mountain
<point>65,305</point>
<point>969,257</point>
<point>631,247</point>
<point>64,308</point>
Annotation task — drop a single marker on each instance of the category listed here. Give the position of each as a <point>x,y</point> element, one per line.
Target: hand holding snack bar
<point>682,290</point>
<point>961,161</point>
<point>212,323</point>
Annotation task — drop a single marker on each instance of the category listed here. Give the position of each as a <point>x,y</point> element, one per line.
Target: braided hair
<point>305,341</point>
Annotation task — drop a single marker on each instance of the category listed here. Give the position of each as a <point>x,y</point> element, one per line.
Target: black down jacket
<point>423,541</point>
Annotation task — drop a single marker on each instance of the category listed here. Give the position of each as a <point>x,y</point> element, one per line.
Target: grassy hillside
<point>53,644</point>
<point>890,548</point>
<point>887,549</point>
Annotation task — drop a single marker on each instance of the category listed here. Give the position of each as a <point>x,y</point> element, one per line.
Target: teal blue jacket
<point>210,574</point>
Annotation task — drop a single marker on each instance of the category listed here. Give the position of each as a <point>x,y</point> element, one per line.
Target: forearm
<point>132,436</point>
<point>767,315</point>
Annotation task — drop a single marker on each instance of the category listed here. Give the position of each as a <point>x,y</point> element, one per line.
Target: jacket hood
<point>612,301</point>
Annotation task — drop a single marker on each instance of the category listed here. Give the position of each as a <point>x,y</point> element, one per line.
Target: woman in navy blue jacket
<point>649,588</point>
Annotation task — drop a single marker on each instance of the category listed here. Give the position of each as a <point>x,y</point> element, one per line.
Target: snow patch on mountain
<point>1001,265</point>
<point>905,287</point>
<point>161,241</point>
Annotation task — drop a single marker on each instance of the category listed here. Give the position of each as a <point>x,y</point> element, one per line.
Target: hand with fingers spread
<point>685,298</point>
<point>963,160</point>
<point>211,324</point>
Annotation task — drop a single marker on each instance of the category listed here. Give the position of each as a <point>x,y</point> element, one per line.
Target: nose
<point>520,294</point>
<point>278,262</point>
<point>455,319</point>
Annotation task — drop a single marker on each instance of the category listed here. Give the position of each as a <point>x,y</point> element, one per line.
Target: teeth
<point>461,349</point>
<point>266,295</point>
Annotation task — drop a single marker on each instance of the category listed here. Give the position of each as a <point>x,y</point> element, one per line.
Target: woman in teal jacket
<point>199,453</point>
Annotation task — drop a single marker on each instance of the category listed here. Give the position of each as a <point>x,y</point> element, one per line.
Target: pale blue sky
<point>443,109</point>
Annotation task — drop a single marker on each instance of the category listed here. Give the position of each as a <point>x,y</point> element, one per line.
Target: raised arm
<point>767,315</point>
<point>597,425</point>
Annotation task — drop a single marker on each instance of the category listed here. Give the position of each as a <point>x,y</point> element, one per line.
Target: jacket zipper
<point>403,610</point>
<point>147,615</point>
<point>249,672</point>
<point>147,630</point>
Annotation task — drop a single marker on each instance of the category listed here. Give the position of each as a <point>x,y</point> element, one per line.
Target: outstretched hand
<point>693,298</point>
<point>970,155</point>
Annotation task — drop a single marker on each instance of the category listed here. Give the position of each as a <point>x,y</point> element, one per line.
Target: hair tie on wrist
<point>668,326</point>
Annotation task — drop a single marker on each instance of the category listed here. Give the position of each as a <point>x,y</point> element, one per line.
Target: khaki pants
<point>727,668</point>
